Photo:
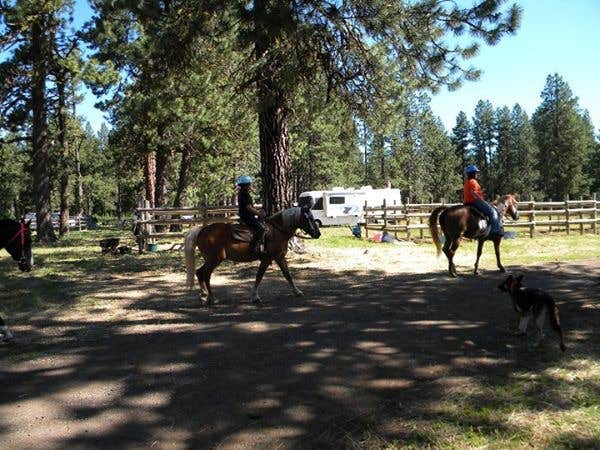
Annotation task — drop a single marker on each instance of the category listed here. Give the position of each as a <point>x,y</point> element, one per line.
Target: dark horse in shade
<point>466,221</point>
<point>15,238</point>
<point>217,242</point>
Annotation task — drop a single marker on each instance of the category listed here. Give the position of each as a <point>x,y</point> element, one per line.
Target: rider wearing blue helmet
<point>473,196</point>
<point>250,215</point>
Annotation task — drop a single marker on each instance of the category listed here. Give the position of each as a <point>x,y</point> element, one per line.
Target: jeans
<point>491,213</point>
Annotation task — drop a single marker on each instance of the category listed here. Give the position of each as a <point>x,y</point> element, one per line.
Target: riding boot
<point>255,247</point>
<point>260,242</point>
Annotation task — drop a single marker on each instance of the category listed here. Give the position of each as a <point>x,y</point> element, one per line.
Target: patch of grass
<point>67,271</point>
<point>530,409</point>
<point>519,251</point>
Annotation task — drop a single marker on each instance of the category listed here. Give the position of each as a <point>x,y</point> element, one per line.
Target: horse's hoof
<point>502,269</point>
<point>476,272</point>
<point>256,301</point>
<point>298,293</point>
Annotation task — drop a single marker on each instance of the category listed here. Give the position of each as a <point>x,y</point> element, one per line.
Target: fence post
<point>567,214</point>
<point>406,212</point>
<point>595,214</point>
<point>366,217</point>
<point>147,227</point>
<point>140,228</point>
<point>581,216</point>
<point>384,215</point>
<point>532,217</point>
<point>205,211</point>
<point>395,221</point>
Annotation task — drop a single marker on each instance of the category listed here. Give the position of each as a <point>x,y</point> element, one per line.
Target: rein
<point>21,233</point>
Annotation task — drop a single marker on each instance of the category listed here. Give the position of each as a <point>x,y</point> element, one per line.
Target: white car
<point>55,217</point>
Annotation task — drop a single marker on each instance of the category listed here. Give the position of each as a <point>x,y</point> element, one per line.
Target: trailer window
<point>318,204</point>
<point>337,200</point>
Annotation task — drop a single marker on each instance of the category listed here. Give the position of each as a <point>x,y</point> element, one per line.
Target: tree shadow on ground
<point>363,357</point>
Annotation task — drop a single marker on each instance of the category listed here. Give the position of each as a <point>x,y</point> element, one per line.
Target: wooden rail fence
<point>152,224</point>
<point>409,219</point>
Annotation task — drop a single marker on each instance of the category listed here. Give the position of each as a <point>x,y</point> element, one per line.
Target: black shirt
<point>245,200</point>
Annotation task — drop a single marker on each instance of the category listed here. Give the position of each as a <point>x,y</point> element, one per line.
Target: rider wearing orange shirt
<point>473,196</point>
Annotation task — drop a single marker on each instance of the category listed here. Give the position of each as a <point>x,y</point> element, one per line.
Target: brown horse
<point>216,243</point>
<point>465,221</point>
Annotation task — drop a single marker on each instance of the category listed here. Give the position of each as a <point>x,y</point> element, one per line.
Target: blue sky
<point>556,36</point>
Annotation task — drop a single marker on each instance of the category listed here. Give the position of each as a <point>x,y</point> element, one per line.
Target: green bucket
<point>152,247</point>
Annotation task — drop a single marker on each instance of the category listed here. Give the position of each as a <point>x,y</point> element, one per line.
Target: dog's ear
<point>504,285</point>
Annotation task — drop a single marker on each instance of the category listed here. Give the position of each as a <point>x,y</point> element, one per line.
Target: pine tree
<point>461,141</point>
<point>443,180</point>
<point>505,161</point>
<point>27,41</point>
<point>565,139</point>
<point>525,176</point>
<point>594,166</point>
<point>484,144</point>
<point>297,43</point>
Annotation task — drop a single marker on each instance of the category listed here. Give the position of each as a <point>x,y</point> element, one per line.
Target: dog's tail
<point>555,321</point>
<point>433,229</point>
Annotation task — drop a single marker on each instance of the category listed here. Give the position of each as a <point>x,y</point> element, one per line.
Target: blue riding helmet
<point>471,169</point>
<point>244,179</point>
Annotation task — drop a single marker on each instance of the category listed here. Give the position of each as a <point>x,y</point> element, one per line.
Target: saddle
<point>243,233</point>
<point>483,223</point>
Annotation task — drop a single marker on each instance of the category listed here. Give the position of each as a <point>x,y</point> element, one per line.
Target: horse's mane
<point>288,217</point>
<point>504,198</point>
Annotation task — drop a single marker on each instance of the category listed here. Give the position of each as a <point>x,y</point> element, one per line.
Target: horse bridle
<point>21,232</point>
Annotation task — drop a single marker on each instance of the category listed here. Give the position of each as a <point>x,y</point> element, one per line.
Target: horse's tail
<point>190,254</point>
<point>433,228</point>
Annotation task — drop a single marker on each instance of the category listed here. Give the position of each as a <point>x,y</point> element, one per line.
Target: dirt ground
<point>377,338</point>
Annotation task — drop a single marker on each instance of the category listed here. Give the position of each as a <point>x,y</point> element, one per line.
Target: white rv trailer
<point>344,206</point>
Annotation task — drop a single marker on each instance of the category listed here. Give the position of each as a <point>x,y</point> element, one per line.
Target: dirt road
<point>141,365</point>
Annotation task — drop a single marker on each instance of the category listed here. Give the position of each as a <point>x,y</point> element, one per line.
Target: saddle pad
<point>482,224</point>
<point>241,232</point>
<point>477,213</point>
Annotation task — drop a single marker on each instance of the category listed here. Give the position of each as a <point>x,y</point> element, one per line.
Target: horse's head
<point>19,246</point>
<point>510,205</point>
<point>308,223</point>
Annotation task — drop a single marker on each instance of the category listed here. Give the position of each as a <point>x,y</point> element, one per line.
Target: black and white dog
<point>529,303</point>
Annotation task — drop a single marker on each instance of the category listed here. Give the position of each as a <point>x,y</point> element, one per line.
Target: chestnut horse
<point>215,243</point>
<point>465,221</point>
<point>15,238</point>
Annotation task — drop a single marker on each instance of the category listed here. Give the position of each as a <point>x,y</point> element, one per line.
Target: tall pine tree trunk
<point>41,178</point>
<point>182,182</point>
<point>163,160</point>
<point>150,177</point>
<point>273,100</point>
<point>64,144</point>
<point>79,190</point>
<point>274,148</point>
